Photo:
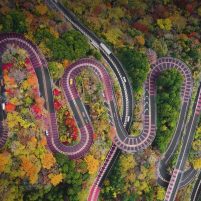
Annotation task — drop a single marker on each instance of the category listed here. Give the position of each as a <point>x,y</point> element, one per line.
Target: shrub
<point>43,34</point>
<point>160,46</point>
<point>76,43</point>
<point>179,22</point>
<point>164,24</point>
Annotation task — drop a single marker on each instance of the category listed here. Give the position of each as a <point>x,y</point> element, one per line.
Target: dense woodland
<point>28,170</point>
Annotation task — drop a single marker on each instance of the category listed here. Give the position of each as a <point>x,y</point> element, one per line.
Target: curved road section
<point>163,175</point>
<point>134,144</point>
<point>41,70</point>
<point>71,94</point>
<point>37,61</point>
<point>185,149</point>
<point>116,66</point>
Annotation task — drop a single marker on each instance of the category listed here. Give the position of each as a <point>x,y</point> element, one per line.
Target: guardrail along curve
<point>187,140</point>
<point>133,144</point>
<point>149,122</point>
<point>41,70</point>
<point>116,66</point>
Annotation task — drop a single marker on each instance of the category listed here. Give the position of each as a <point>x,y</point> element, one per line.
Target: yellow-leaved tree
<point>48,160</point>
<point>5,162</point>
<point>160,193</point>
<point>113,35</point>
<point>30,167</point>
<point>92,164</point>
<point>42,9</point>
<point>55,178</point>
<point>197,163</point>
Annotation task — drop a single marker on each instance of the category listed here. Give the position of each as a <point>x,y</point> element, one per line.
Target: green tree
<point>76,44</point>
<point>14,22</point>
<point>71,45</point>
<point>72,179</point>
<point>59,49</point>
<point>43,34</point>
<point>137,66</point>
<point>114,185</point>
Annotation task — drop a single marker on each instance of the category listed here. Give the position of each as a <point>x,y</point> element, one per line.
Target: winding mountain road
<point>163,175</point>
<point>119,125</point>
<point>126,89</point>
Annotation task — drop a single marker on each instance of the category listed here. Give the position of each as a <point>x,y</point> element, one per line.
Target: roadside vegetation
<point>168,107</point>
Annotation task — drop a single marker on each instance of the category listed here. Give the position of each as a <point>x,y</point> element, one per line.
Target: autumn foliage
<point>92,164</point>
<point>55,179</point>
<point>42,9</point>
<point>48,161</point>
<point>5,159</point>
<point>29,169</point>
<point>10,107</point>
